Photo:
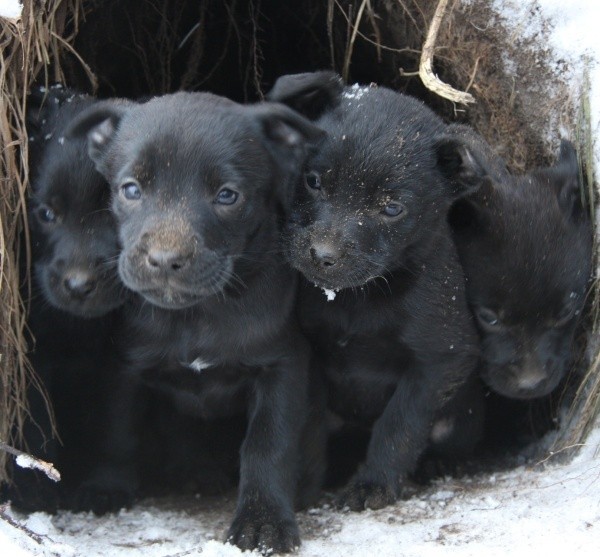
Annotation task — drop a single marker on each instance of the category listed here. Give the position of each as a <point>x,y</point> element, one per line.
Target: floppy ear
<point>469,177</point>
<point>563,177</point>
<point>310,94</point>
<point>99,123</point>
<point>288,137</point>
<point>460,165</point>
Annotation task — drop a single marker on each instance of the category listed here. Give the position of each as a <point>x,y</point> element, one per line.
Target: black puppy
<point>76,293</point>
<point>199,186</point>
<point>368,226</point>
<point>525,243</point>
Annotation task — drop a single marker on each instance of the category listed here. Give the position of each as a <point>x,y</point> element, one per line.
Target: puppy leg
<point>269,457</point>
<point>398,439</point>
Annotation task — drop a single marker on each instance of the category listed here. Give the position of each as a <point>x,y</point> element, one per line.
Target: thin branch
<point>25,460</point>
<point>29,533</point>
<point>348,56</point>
<point>430,80</point>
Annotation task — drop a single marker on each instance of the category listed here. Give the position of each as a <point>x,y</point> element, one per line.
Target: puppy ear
<point>563,177</point>
<point>459,164</point>
<point>288,137</point>
<point>310,94</point>
<point>284,131</point>
<point>99,123</point>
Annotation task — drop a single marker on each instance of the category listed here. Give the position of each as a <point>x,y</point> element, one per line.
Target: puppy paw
<point>361,495</point>
<point>107,491</point>
<point>265,532</point>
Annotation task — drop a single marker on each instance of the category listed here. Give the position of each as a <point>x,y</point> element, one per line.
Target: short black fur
<point>369,223</point>
<point>200,188</point>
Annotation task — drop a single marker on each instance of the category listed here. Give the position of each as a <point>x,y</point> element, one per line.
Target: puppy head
<point>373,198</point>
<point>199,186</point>
<point>525,245</point>
<point>74,236</point>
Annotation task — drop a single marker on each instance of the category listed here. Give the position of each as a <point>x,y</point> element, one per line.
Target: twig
<point>9,520</point>
<point>25,460</point>
<point>350,47</point>
<point>430,80</point>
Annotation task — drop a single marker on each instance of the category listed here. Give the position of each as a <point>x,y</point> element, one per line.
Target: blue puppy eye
<point>131,191</point>
<point>488,318</point>
<point>393,209</point>
<point>226,197</point>
<point>46,215</point>
<point>313,180</point>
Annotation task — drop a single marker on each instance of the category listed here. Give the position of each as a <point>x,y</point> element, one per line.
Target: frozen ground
<point>545,510</point>
<point>542,510</point>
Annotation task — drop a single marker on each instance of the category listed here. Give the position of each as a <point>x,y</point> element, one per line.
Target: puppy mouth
<point>512,388</point>
<point>345,276</point>
<point>169,298</point>
<point>107,295</point>
<point>178,291</point>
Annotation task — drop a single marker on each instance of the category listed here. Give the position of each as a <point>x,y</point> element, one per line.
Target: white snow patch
<point>25,461</point>
<point>355,91</point>
<point>330,294</point>
<point>10,9</point>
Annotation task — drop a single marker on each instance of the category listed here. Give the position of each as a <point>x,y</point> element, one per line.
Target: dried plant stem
<point>430,80</point>
<point>348,56</point>
<point>28,461</point>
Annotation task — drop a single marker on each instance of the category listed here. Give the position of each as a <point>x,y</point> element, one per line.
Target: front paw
<point>363,494</point>
<point>267,531</point>
<point>107,491</point>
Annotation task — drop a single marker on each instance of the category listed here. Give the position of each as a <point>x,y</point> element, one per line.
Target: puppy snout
<point>530,375</point>
<point>324,255</point>
<point>79,284</point>
<point>169,260</point>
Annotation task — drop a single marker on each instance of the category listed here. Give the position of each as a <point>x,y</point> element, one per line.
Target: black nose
<point>324,255</point>
<point>167,260</point>
<point>79,284</point>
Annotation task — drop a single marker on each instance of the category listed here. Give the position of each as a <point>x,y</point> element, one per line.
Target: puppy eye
<point>312,180</point>
<point>46,215</point>
<point>131,191</point>
<point>226,197</point>
<point>488,319</point>
<point>393,210</point>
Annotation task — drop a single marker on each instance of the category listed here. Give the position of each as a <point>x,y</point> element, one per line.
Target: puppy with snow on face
<point>525,243</point>
<point>368,225</point>
<point>200,187</point>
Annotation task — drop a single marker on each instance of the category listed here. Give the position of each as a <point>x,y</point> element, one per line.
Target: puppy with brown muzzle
<point>200,188</point>
<point>368,225</point>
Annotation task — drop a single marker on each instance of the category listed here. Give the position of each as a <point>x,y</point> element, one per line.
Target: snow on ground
<point>552,509</point>
<point>549,509</point>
